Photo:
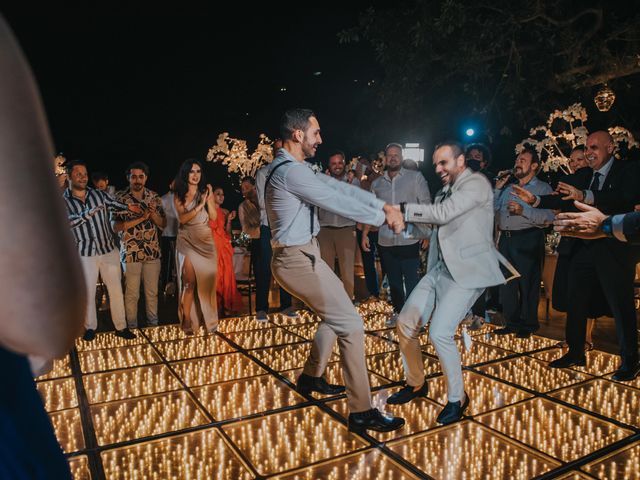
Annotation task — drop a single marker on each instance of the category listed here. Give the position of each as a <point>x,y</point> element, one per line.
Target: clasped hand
<point>394,217</point>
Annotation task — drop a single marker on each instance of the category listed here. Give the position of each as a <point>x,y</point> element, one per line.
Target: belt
<point>515,233</point>
<point>331,227</point>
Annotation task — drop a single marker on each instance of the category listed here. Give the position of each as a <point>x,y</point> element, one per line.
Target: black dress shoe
<point>627,373</point>
<point>126,334</point>
<point>89,335</point>
<point>569,360</point>
<point>374,420</point>
<point>307,384</point>
<point>406,394</point>
<point>453,411</point>
<point>504,331</point>
<point>524,334</point>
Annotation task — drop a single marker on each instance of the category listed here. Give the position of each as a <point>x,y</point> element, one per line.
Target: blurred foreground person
<point>43,297</point>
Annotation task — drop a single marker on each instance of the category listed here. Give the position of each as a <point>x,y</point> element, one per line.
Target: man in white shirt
<point>337,236</point>
<point>400,256</point>
<point>168,243</point>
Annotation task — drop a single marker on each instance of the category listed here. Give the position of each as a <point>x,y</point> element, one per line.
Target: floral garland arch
<point>550,141</point>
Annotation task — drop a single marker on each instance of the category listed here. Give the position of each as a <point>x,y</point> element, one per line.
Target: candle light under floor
<point>224,406</point>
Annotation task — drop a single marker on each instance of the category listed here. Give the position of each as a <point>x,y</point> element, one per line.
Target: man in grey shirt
<point>337,237</point>
<point>400,256</point>
<point>291,193</point>
<point>522,243</point>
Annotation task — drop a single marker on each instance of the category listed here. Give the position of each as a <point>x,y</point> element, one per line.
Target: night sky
<point>121,86</point>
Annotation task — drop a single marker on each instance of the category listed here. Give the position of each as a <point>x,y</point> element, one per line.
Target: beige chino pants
<point>301,271</point>
<point>341,243</point>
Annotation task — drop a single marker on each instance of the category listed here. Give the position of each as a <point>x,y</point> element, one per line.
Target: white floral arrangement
<point>549,142</point>
<point>59,165</point>
<point>232,152</point>
<point>622,135</point>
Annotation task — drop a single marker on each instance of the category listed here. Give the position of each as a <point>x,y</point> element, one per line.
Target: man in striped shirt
<point>89,214</point>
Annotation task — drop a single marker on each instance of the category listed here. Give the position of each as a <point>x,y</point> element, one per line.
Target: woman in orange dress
<point>229,298</point>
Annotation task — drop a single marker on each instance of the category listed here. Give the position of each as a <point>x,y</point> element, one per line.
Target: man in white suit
<point>462,262</point>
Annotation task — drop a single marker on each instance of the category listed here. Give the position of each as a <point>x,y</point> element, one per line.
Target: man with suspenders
<point>291,192</point>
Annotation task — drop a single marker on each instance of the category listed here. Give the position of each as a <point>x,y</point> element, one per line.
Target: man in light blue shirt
<point>521,241</point>
<point>291,192</point>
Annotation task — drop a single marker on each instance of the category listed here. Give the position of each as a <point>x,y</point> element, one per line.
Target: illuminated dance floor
<point>222,406</point>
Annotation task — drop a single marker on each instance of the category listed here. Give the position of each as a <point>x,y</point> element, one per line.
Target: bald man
<point>613,188</point>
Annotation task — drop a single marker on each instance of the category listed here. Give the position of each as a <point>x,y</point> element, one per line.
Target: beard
<point>308,150</point>
<point>519,173</point>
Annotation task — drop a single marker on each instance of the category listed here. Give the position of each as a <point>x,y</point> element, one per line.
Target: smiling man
<point>337,237</point>
<point>89,212</point>
<point>292,192</point>
<point>462,262</point>
<point>140,247</point>
<point>522,243</point>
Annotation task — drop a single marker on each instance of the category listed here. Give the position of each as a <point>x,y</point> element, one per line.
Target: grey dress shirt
<point>407,186</point>
<point>294,189</point>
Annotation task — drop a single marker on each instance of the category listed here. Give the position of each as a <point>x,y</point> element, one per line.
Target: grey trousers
<point>341,243</point>
<point>301,271</point>
<point>437,292</point>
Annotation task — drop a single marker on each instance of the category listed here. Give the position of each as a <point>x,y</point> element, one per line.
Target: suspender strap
<point>266,183</point>
<point>273,170</point>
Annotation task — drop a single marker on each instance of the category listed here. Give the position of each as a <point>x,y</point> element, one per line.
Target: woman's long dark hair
<point>182,179</point>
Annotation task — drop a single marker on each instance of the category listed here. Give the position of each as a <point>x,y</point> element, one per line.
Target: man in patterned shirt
<point>140,245</point>
<point>89,212</point>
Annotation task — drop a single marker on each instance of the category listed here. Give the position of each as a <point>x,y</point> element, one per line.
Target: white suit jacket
<point>464,233</point>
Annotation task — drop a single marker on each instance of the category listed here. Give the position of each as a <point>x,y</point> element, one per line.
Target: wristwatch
<point>607,227</point>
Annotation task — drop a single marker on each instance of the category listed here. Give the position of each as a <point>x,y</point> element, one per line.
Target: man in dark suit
<point>580,177</point>
<point>602,262</point>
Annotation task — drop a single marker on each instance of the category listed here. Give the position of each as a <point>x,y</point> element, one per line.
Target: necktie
<point>445,195</point>
<point>595,183</point>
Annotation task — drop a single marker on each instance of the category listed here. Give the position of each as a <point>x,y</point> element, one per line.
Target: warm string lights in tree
<point>565,130</point>
<point>604,98</point>
<point>232,152</point>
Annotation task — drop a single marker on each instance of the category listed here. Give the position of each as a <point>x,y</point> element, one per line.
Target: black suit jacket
<point>619,194</point>
<point>580,179</point>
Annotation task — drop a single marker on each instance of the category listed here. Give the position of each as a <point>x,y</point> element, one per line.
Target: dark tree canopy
<point>507,62</point>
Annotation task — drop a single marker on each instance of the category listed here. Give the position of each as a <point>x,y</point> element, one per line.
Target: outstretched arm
<point>307,186</point>
<point>350,190</point>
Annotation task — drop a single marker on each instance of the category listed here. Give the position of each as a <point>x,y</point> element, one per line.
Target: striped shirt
<point>91,221</point>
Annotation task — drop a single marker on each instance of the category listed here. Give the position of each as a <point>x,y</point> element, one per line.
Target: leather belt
<point>515,233</point>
